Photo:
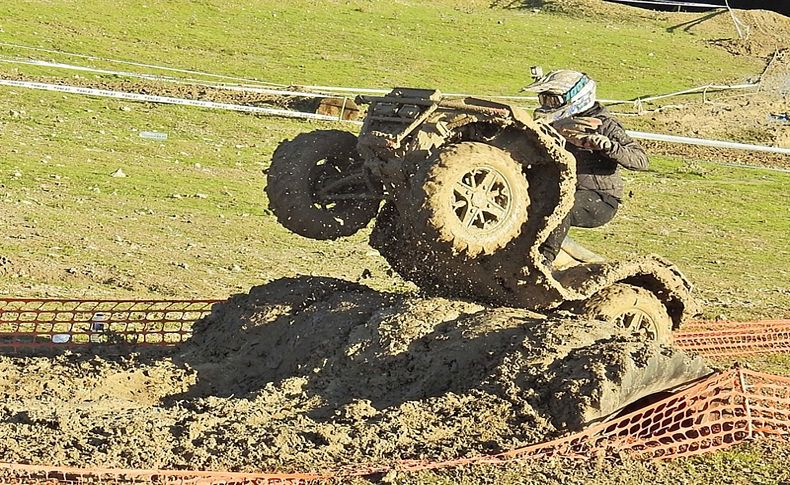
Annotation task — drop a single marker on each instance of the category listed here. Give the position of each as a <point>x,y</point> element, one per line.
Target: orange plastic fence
<point>724,409</point>
<point>726,339</point>
<point>56,323</point>
<point>27,323</point>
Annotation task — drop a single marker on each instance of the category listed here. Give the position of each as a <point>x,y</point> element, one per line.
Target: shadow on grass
<point>687,26</point>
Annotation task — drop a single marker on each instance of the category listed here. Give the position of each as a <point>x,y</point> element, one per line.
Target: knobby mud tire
<point>620,301</point>
<point>433,195</point>
<point>291,179</point>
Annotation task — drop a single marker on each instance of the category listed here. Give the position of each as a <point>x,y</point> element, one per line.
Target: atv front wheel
<point>472,197</point>
<point>316,185</point>
<point>636,310</point>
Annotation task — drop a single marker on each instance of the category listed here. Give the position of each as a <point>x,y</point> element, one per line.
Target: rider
<point>597,141</point>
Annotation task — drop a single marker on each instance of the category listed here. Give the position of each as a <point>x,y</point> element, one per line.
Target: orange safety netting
<point>728,339</point>
<point>55,323</point>
<point>27,323</point>
<point>717,412</point>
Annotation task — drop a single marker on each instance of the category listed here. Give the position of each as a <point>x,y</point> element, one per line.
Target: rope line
<point>313,116</point>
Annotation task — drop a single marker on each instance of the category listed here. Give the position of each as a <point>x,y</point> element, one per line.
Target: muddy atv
<point>470,190</point>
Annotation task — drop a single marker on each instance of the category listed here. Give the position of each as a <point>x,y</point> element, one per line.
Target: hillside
<point>189,217</point>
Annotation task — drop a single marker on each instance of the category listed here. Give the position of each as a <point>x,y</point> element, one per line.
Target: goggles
<point>551,101</point>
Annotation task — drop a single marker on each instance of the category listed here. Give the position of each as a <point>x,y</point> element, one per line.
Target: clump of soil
<point>311,373</point>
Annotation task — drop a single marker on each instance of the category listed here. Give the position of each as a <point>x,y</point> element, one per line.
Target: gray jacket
<point>597,170</point>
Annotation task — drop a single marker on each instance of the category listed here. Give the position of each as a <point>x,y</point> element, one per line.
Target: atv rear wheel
<point>636,310</point>
<point>316,186</point>
<point>471,197</point>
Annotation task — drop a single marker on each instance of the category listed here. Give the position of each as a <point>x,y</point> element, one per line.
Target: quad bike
<point>470,190</point>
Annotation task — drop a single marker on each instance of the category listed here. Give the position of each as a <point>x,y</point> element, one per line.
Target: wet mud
<point>311,373</point>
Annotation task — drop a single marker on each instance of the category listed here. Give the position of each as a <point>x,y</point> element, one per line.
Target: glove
<point>596,142</point>
<point>576,126</point>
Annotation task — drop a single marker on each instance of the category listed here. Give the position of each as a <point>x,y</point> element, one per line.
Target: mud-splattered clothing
<point>599,186</point>
<point>598,170</point>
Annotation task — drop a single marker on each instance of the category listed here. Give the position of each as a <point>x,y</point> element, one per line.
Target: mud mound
<point>315,372</point>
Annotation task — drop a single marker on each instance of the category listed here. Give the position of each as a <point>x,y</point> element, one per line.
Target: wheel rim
<point>324,173</point>
<point>639,323</point>
<point>330,178</point>
<point>482,199</point>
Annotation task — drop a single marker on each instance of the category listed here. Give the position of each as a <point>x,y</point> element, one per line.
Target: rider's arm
<point>625,150</point>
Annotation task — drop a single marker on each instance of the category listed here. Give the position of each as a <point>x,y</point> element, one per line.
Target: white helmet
<point>563,94</point>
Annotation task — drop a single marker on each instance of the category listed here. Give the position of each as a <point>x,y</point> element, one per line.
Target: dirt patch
<point>762,31</point>
<point>307,104</point>
<point>314,372</point>
<point>757,115</point>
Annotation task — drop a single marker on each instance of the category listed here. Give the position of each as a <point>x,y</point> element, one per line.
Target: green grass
<point>761,462</point>
<point>451,45</point>
<point>727,229</point>
<point>70,228</point>
<point>190,219</point>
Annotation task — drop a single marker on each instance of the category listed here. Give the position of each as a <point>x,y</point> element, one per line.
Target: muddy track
<point>312,372</point>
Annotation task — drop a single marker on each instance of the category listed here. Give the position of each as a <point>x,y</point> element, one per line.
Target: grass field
<point>189,219</point>
<point>450,45</point>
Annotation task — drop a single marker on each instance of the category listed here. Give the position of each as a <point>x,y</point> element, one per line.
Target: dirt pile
<point>313,372</point>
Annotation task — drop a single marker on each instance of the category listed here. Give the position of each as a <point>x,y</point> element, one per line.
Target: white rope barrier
<point>709,143</point>
<point>154,77</point>
<point>332,91</point>
<point>313,91</point>
<point>255,86</point>
<point>698,89</point>
<point>312,116</point>
<point>149,98</point>
<point>139,64</point>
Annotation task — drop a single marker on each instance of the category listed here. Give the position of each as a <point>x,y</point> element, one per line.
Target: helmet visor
<point>550,101</point>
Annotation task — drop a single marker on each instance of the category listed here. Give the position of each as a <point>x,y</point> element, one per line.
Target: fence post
<point>746,405</point>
